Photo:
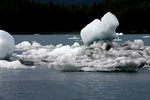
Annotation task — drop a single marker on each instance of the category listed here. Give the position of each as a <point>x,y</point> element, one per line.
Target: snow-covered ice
<point>7,45</point>
<point>98,30</point>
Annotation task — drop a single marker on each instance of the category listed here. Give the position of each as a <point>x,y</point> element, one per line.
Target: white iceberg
<point>74,37</point>
<point>13,65</point>
<point>23,45</point>
<point>7,45</point>
<point>35,44</point>
<point>119,33</point>
<point>103,29</point>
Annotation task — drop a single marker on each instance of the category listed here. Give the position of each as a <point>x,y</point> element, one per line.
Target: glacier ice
<point>7,45</point>
<point>129,56</point>
<point>103,29</point>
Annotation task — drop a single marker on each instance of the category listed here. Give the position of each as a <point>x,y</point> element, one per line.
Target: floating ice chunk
<point>13,65</point>
<point>23,45</point>
<point>67,51</point>
<point>59,45</point>
<point>36,34</point>
<point>139,42</point>
<point>76,44</point>
<point>119,33</point>
<point>110,23</point>
<point>74,37</point>
<point>7,45</point>
<point>100,30</point>
<point>34,54</point>
<point>145,36</point>
<point>35,44</point>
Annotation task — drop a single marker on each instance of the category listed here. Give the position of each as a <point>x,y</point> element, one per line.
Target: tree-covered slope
<point>27,16</point>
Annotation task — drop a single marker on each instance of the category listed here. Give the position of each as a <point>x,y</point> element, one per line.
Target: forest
<point>29,16</point>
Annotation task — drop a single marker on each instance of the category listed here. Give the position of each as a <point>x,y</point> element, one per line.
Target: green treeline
<point>29,16</point>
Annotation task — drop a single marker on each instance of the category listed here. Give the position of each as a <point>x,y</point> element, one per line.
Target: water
<point>64,39</point>
<point>47,39</point>
<point>43,83</point>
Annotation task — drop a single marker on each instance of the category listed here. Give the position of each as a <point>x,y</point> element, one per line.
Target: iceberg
<point>119,33</point>
<point>129,56</point>
<point>13,65</point>
<point>23,45</point>
<point>7,45</point>
<point>99,30</point>
<point>74,37</point>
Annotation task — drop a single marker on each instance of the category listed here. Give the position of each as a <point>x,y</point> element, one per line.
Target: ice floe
<point>13,65</point>
<point>74,37</point>
<point>128,56</point>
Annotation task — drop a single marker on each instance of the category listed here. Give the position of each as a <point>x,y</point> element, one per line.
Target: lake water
<point>42,83</point>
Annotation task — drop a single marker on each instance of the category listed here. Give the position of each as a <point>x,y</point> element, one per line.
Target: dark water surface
<point>43,83</point>
<point>64,39</point>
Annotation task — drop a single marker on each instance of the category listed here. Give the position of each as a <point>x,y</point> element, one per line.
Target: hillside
<point>27,16</point>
